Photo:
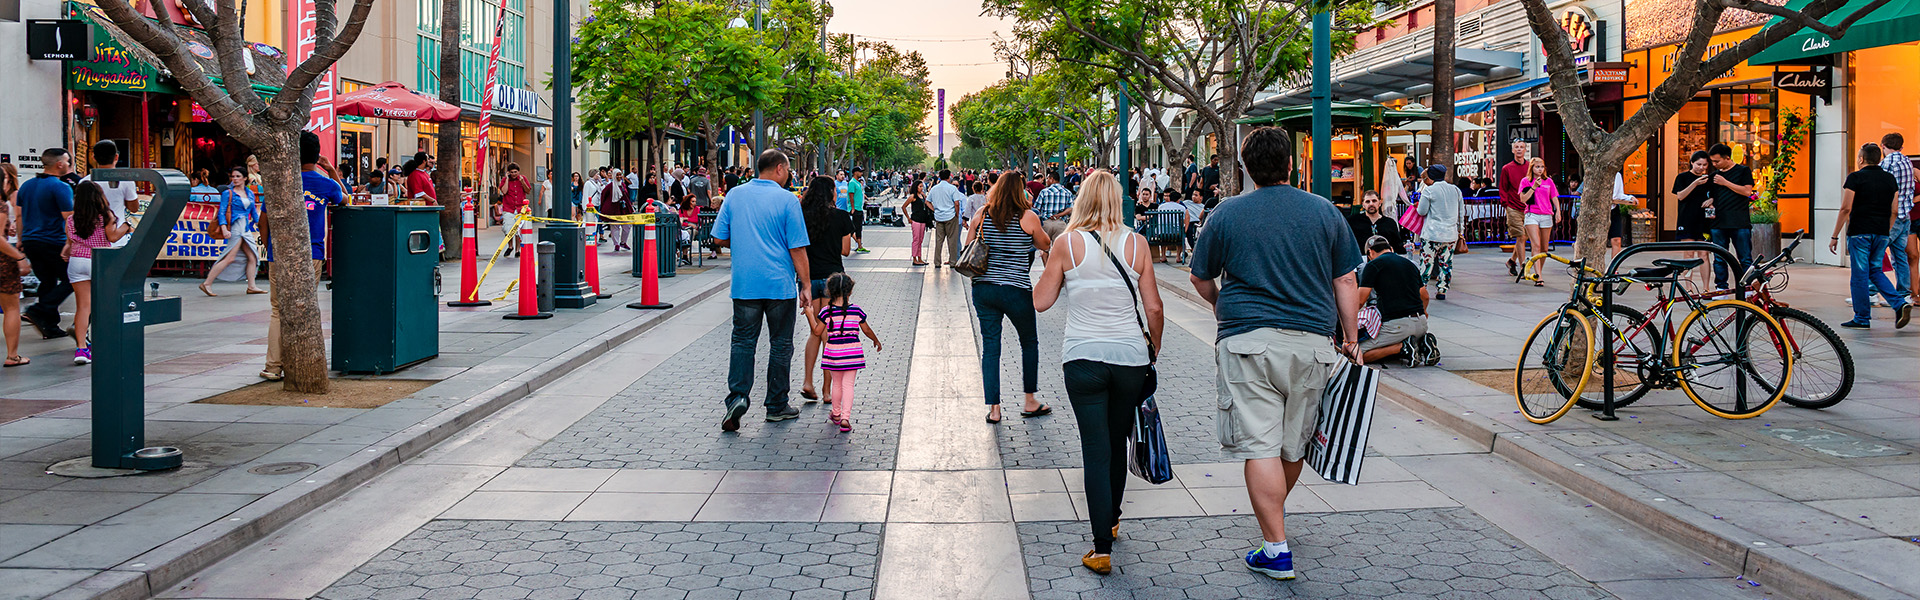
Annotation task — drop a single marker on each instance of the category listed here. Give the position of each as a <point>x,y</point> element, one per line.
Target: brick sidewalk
<point>1824,501</point>
<point>250,469</point>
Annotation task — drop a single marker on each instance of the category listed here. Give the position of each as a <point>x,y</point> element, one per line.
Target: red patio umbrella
<point>391,100</point>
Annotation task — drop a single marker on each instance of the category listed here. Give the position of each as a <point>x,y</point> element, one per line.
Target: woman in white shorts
<point>93,225</point>
<point>1543,207</point>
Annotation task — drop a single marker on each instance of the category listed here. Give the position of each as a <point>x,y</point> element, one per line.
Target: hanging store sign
<point>1817,82</point>
<point>59,39</point>
<point>515,100</point>
<point>320,119</point>
<point>1610,72</point>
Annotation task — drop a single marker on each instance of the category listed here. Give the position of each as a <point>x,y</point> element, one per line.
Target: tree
<point>1209,57</point>
<point>1444,32</point>
<point>271,128</point>
<point>447,163</point>
<point>690,64</point>
<point>1603,153</point>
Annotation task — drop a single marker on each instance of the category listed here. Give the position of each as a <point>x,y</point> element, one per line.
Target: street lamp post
<point>1126,183</point>
<point>1322,104</point>
<point>570,288</point>
<point>759,118</point>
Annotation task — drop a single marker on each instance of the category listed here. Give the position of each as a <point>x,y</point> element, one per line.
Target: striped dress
<point>1009,255</point>
<point>842,351</point>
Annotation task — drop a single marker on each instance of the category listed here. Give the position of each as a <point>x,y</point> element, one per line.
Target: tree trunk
<point>302,355</point>
<point>446,174</point>
<point>1444,30</point>
<point>1225,144</point>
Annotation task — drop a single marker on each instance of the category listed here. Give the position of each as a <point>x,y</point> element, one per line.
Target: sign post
<point>119,316</point>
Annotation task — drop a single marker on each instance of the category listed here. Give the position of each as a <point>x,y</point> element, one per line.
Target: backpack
<point>1423,351</point>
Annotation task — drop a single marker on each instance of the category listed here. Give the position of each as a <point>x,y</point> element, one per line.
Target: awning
<point>1384,79</point>
<point>1484,102</point>
<point>1896,22</point>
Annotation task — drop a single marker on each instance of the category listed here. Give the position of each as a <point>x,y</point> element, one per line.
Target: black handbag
<point>1147,456</point>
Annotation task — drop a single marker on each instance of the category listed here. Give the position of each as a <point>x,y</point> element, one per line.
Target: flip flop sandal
<point>810,396</point>
<point>15,361</point>
<point>1044,410</point>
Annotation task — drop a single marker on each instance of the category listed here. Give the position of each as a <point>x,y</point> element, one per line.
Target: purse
<point>972,261</point>
<point>1147,456</point>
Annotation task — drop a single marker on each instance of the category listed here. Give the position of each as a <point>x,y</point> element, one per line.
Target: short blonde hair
<point>1097,207</point>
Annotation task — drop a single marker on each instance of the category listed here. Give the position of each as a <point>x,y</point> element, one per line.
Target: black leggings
<point>1105,399</point>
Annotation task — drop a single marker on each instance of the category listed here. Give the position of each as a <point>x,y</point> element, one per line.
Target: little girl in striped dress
<point>841,324</point>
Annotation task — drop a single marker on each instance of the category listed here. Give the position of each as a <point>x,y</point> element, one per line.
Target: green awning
<point>1896,22</point>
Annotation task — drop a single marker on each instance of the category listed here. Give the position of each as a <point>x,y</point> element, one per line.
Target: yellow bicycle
<point>1714,355</point>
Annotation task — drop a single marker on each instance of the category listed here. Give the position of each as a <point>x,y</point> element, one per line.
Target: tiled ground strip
<point>668,419</point>
<point>1423,553</point>
<point>558,561</point>
<point>523,493</point>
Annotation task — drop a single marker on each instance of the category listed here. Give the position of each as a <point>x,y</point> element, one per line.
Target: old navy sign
<point>515,100</point>
<point>1817,82</point>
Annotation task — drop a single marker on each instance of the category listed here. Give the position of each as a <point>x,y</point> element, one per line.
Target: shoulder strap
<point>1153,354</point>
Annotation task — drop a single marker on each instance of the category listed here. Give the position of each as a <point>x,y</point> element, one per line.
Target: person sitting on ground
<point>1402,299</point>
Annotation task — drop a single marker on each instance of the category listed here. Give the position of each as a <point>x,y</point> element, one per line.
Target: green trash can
<point>666,227</point>
<point>386,287</point>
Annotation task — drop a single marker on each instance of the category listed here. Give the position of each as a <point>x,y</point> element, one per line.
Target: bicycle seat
<point>1680,264</point>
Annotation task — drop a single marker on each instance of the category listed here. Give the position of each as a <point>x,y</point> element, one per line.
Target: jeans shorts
<point>1270,384</point>
<point>1539,220</point>
<point>819,288</point>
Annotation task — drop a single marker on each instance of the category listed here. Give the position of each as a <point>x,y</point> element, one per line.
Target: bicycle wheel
<point>1720,371</point>
<point>1822,365</point>
<point>1554,366</point>
<point>1636,360</point>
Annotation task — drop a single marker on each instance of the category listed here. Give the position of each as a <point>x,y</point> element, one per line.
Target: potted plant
<point>1766,208</point>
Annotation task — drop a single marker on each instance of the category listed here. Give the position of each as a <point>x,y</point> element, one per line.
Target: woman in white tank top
<point>1108,359</point>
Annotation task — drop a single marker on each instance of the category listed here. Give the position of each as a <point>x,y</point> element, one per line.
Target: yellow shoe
<point>1099,564</point>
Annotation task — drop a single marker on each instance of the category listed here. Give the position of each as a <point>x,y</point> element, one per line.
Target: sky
<point>955,65</point>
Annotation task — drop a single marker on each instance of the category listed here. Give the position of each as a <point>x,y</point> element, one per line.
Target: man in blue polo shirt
<point>761,222</point>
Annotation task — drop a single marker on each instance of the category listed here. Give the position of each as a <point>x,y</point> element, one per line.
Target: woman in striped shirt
<point>1011,232</point>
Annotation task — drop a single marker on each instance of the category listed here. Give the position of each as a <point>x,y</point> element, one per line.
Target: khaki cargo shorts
<point>1270,386</point>
<point>1516,224</point>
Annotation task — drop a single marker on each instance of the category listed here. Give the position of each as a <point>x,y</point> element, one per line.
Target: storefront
<point>121,95</point>
<point>1741,109</point>
<point>1879,49</point>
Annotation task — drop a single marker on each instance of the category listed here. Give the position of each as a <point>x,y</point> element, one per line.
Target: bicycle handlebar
<point>1785,255</point>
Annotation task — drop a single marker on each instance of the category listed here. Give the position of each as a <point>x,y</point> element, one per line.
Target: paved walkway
<point>252,468</point>
<point>1839,486</point>
<point>615,483</point>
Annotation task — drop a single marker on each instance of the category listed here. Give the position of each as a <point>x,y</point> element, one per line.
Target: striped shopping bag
<point>1346,414</point>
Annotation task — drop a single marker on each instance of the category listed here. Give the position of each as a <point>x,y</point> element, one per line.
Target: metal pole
<point>570,287</point>
<point>759,120</point>
<point>1322,104</point>
<point>1120,170</point>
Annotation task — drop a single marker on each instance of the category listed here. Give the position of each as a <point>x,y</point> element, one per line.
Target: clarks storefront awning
<point>1896,22</point>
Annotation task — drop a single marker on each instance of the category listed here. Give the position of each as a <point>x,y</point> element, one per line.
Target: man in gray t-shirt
<point>1290,287</point>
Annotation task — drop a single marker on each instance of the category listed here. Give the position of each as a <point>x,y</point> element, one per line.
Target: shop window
<point>1878,110</point>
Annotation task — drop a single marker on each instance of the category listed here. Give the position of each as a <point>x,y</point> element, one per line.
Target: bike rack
<point>1736,273</point>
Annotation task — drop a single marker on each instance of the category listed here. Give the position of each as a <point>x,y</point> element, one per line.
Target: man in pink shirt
<point>1510,176</point>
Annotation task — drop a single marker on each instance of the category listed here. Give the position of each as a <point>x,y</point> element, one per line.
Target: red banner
<point>301,39</point>
<point>486,100</point>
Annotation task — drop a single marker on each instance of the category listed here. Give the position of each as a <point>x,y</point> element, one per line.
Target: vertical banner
<point>302,41</point>
<point>941,126</point>
<point>481,177</point>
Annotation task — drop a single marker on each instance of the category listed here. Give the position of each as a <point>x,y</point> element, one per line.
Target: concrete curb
<point>1785,569</point>
<point>161,568</point>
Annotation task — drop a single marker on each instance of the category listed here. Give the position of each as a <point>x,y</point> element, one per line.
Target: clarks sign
<point>1817,82</point>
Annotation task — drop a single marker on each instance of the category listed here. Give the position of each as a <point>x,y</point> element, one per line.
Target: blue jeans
<point>1740,241</point>
<point>1903,272</point>
<point>1864,259</point>
<point>747,314</point>
<point>991,302</point>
